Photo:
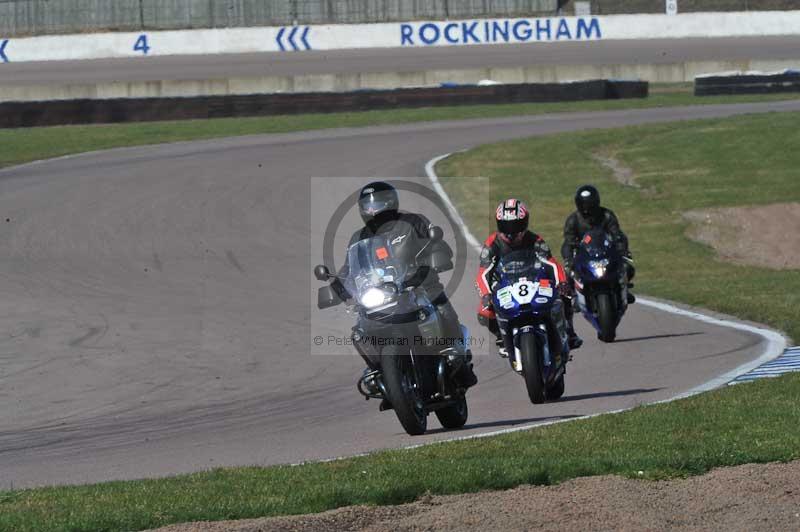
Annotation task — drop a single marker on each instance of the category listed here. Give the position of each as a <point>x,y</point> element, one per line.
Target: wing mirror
<point>435,233</point>
<point>322,273</point>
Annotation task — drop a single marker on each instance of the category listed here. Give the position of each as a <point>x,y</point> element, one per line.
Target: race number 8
<point>524,291</point>
<point>141,44</point>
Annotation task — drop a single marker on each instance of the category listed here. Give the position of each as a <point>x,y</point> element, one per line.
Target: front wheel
<point>532,367</point>
<point>454,416</point>
<point>555,391</point>
<point>606,318</point>
<point>404,393</point>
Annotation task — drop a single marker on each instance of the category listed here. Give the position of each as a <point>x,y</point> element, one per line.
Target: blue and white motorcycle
<point>601,283</point>
<point>530,315</point>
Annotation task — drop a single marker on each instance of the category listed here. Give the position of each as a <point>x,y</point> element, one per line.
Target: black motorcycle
<point>601,283</point>
<point>399,332</point>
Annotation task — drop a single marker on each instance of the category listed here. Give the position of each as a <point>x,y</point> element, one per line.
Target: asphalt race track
<point>656,51</point>
<point>155,307</point>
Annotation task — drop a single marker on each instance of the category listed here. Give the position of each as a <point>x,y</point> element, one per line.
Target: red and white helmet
<point>512,220</point>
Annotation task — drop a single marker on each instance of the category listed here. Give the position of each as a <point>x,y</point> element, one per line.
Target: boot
<point>501,348</point>
<point>464,377</point>
<point>573,340</point>
<point>631,299</point>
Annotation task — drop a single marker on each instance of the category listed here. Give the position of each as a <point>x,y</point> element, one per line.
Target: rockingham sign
<point>299,39</point>
<point>499,31</point>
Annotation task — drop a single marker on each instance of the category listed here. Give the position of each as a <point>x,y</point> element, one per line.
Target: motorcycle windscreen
<point>596,244</point>
<point>373,265</point>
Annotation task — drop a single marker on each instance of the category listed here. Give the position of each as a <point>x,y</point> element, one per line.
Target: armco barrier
<point>30,114</point>
<point>747,84</point>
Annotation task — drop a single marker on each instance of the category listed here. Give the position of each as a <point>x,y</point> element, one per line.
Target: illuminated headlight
<point>598,267</point>
<point>373,298</point>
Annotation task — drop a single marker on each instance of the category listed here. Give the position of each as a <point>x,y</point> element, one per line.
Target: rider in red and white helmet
<point>512,217</point>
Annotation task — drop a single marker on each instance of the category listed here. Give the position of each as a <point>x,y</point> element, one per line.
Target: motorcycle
<point>530,315</point>
<point>601,283</point>
<point>399,332</point>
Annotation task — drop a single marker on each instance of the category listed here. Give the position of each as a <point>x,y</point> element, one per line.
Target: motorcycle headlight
<point>598,267</point>
<point>373,298</point>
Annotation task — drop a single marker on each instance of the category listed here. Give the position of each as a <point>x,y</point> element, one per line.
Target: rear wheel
<point>404,393</point>
<point>606,318</point>
<point>532,367</point>
<point>454,416</point>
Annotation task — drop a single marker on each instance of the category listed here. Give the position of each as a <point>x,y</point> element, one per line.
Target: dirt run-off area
<point>764,235</point>
<point>744,498</point>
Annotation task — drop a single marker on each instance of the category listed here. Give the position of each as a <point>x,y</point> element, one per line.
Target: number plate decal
<point>524,291</point>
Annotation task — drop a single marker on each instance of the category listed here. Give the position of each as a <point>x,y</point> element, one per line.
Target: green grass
<point>757,422</point>
<point>739,161</point>
<point>24,145</point>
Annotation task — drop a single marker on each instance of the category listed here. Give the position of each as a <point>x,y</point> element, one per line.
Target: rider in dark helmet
<point>512,217</point>
<point>379,205</point>
<point>590,215</point>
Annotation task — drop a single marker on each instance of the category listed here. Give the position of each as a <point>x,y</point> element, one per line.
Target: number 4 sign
<point>141,44</point>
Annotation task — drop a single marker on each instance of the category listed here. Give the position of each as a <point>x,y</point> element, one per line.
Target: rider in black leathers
<point>590,215</point>
<point>378,205</point>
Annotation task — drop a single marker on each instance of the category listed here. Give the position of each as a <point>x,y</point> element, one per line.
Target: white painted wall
<point>430,33</point>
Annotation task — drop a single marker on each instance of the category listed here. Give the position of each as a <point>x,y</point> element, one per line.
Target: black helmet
<point>378,202</point>
<point>512,217</point>
<point>587,201</point>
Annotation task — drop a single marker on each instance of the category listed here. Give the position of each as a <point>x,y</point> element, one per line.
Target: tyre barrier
<point>755,83</point>
<point>98,111</point>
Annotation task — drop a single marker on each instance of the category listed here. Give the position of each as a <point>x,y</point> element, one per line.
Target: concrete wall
<point>661,73</point>
<point>39,17</point>
<point>291,39</point>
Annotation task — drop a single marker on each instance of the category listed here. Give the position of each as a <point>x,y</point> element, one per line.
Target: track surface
<point>154,308</point>
<point>399,60</point>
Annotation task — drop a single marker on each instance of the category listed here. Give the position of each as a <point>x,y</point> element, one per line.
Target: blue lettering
<point>543,29</point>
<point>406,35</point>
<point>3,55</point>
<point>429,26</point>
<point>563,30</point>
<point>594,26</point>
<point>141,44</point>
<point>447,36</point>
<point>525,34</point>
<point>502,29</point>
<point>469,31</point>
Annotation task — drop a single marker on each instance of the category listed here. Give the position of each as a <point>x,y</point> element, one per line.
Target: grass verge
<point>24,145</point>
<point>755,422</point>
<point>747,160</point>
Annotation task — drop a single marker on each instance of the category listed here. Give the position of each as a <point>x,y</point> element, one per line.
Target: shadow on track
<point>618,393</point>
<point>504,423</point>
<point>656,337</point>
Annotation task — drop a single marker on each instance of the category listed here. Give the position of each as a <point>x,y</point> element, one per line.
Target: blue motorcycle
<point>601,283</point>
<point>530,315</point>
